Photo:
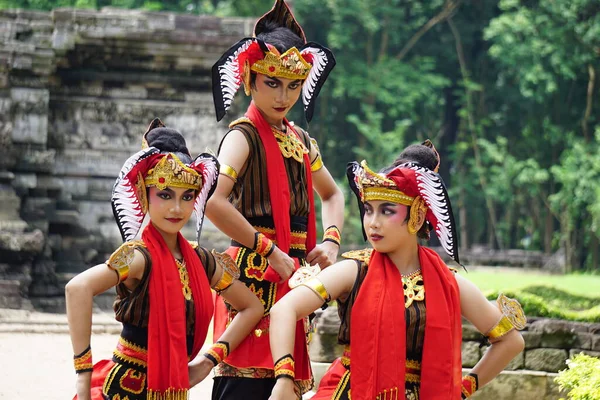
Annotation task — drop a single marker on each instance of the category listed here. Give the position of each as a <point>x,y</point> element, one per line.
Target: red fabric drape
<point>378,331</point>
<point>167,348</point>
<point>279,191</point>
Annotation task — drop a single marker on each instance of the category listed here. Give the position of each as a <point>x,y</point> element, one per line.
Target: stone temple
<point>77,90</point>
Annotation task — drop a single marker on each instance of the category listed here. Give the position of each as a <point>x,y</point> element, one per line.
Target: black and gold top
<point>127,377</point>
<point>414,314</point>
<point>254,202</point>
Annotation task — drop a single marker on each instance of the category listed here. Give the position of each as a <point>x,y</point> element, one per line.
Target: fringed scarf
<point>378,332</point>
<point>168,377</point>
<point>279,191</point>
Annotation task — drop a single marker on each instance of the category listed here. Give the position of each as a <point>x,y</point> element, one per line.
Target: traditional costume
<point>166,317</point>
<point>273,191</point>
<point>415,354</point>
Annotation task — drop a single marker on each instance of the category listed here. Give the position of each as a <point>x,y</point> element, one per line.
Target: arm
<point>332,213</point>
<point>250,311</point>
<point>234,152</point>
<point>484,316</point>
<point>79,293</point>
<point>338,280</point>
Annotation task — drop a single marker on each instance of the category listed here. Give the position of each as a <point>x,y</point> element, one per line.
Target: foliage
<point>506,89</point>
<point>582,378</point>
<point>547,301</point>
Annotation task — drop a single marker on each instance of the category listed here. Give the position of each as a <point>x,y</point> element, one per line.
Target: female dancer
<point>163,281</point>
<point>264,201</point>
<point>400,305</point>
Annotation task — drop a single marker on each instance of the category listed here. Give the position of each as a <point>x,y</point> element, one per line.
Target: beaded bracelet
<point>332,234</point>
<point>470,384</point>
<point>218,352</point>
<point>83,361</point>
<point>263,245</point>
<point>284,367</point>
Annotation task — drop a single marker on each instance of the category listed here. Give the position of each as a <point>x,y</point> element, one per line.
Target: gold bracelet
<point>229,172</point>
<point>317,286</point>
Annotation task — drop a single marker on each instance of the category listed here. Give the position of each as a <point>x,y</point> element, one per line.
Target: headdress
<point>412,185</point>
<point>150,167</point>
<point>312,63</point>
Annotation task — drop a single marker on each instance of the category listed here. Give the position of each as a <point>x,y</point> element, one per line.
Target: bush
<point>582,378</point>
<point>550,302</point>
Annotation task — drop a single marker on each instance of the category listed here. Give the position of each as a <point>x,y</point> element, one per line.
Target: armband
<point>317,286</point>
<point>120,260</point>
<point>229,172</point>
<point>513,317</point>
<point>230,271</point>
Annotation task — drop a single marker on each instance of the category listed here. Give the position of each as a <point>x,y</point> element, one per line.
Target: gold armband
<point>230,271</point>
<point>120,260</point>
<point>316,286</point>
<point>513,317</point>
<point>317,163</point>
<point>229,172</point>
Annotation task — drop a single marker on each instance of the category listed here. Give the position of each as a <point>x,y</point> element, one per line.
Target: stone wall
<point>548,345</point>
<point>77,90</point>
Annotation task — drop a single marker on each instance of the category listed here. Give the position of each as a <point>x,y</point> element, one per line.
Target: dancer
<point>264,198</point>
<point>163,281</point>
<point>400,305</point>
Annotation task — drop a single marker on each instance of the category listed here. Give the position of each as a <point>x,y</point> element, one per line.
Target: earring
<point>140,189</point>
<point>413,222</point>
<point>246,78</point>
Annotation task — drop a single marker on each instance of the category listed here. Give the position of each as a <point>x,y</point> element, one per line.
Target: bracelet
<point>470,384</point>
<point>284,367</point>
<point>229,172</point>
<point>83,361</point>
<point>332,234</point>
<point>263,245</point>
<point>218,352</point>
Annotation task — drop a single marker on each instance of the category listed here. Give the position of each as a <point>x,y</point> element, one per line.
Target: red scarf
<point>279,191</point>
<point>378,331</point>
<point>167,345</point>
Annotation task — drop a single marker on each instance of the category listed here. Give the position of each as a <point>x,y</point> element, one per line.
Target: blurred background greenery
<point>506,89</point>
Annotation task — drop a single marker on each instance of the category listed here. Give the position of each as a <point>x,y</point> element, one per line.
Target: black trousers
<point>232,388</point>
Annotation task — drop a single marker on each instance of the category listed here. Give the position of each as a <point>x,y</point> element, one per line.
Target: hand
<point>323,254</point>
<point>199,369</point>
<point>282,264</point>
<point>284,389</point>
<point>83,385</point>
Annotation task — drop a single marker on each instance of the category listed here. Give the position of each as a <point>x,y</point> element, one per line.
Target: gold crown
<point>171,172</point>
<point>374,186</point>
<point>289,65</point>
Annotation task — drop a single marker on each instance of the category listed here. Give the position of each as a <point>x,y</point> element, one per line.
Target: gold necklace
<point>414,289</point>
<point>290,145</point>
<point>185,279</point>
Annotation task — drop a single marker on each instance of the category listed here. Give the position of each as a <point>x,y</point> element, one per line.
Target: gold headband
<point>374,186</point>
<point>289,65</point>
<point>171,172</point>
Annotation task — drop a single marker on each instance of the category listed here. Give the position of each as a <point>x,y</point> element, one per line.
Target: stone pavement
<point>37,358</point>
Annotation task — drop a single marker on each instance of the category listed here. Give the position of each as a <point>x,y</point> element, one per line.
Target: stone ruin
<point>77,90</point>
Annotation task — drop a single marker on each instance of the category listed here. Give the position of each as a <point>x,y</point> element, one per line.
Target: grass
<point>571,297</point>
<point>577,284</point>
